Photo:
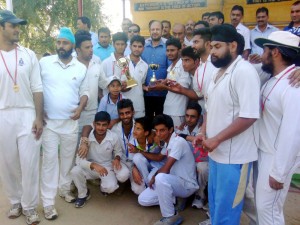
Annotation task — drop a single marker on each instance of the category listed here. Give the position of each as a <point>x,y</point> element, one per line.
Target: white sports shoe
<point>32,217</point>
<point>50,212</point>
<point>14,211</point>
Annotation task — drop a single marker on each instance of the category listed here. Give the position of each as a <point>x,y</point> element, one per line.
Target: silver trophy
<point>153,67</point>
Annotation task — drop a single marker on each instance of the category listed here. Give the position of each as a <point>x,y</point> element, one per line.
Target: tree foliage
<point>45,17</point>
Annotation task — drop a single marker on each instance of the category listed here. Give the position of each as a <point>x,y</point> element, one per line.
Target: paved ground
<point>124,210</point>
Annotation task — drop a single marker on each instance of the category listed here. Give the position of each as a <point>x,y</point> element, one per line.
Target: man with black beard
<point>65,96</point>
<point>279,127</point>
<point>228,132</point>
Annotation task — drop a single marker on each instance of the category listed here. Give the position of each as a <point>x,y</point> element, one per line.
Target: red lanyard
<point>264,102</point>
<point>200,87</point>
<point>16,69</point>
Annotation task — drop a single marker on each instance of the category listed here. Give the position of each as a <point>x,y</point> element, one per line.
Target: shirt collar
<point>108,137</point>
<point>268,27</point>
<point>149,43</point>
<point>72,62</point>
<point>233,65</point>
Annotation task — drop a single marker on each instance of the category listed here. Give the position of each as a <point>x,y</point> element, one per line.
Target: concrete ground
<point>123,209</point>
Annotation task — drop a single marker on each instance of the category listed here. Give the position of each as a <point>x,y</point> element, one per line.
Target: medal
<point>16,87</point>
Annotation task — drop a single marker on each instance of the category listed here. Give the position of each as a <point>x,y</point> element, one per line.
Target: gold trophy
<point>123,63</point>
<point>153,67</point>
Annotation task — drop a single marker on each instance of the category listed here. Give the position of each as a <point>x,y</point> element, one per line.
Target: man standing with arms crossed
<point>66,94</point>
<point>21,120</point>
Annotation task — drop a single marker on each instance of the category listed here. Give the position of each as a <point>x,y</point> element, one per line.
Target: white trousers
<point>136,188</point>
<point>109,183</point>
<point>202,172</point>
<point>166,188</point>
<point>20,155</point>
<point>55,171</point>
<point>146,168</point>
<point>269,202</point>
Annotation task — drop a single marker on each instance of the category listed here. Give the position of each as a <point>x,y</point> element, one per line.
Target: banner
<point>184,4</point>
<point>264,1</point>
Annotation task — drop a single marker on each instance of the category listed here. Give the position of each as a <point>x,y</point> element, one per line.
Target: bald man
<point>179,32</point>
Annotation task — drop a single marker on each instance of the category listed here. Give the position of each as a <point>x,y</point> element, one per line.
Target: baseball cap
<point>113,78</point>
<point>8,16</point>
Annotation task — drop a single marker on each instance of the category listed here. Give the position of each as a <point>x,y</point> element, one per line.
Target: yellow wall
<point>279,12</point>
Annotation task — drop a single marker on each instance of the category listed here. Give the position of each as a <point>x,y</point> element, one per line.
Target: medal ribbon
<point>16,69</point>
<point>264,102</point>
<point>200,87</point>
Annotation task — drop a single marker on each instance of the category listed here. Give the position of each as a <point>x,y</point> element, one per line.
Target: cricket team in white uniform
<point>65,88</point>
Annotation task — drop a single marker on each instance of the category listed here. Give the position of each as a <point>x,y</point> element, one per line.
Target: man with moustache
<point>66,94</point>
<point>279,154</point>
<point>21,120</point>
<point>166,29</point>
<point>155,53</point>
<point>189,28</point>
<point>95,75</point>
<point>228,132</point>
<point>262,29</point>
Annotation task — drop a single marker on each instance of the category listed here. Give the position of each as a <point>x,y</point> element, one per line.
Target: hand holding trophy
<point>153,79</point>
<point>123,63</point>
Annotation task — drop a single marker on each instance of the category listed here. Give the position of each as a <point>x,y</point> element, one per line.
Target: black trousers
<point>154,105</point>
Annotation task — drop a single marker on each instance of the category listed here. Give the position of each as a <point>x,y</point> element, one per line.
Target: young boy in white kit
<point>103,161</point>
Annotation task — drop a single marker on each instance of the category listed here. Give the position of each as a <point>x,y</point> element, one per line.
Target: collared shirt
<point>188,42</point>
<point>107,105</point>
<point>245,32</point>
<point>136,95</point>
<point>184,167</point>
<point>279,126</point>
<point>94,37</point>
<point>103,153</point>
<point>257,33</point>
<point>101,52</point>
<point>28,78</point>
<point>64,85</point>
<point>118,129</point>
<point>156,55</point>
<point>175,104</point>
<point>201,80</point>
<point>234,95</point>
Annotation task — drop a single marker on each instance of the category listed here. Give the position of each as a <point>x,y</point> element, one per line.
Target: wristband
<point>84,140</point>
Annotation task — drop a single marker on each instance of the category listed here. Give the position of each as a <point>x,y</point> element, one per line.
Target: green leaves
<point>45,17</point>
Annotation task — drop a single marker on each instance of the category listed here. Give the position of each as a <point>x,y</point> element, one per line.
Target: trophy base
<point>131,83</point>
